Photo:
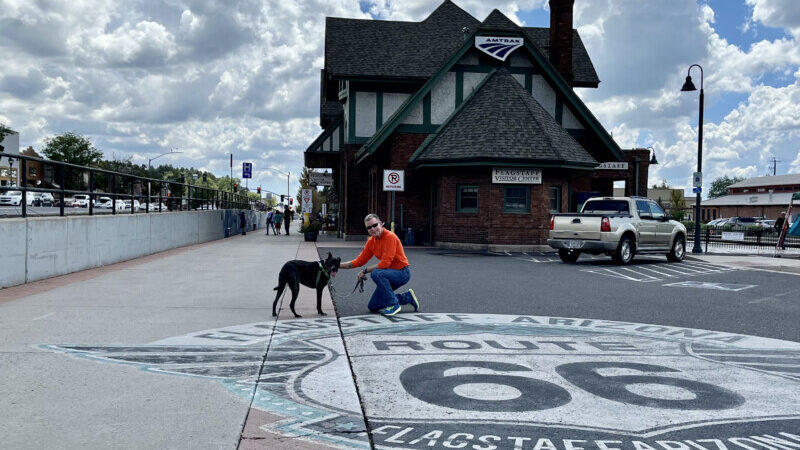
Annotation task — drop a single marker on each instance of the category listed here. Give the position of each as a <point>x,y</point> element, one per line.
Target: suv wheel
<point>678,250</point>
<point>568,256</point>
<point>625,251</point>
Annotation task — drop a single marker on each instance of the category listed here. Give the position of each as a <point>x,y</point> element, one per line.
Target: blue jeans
<point>386,281</point>
<point>271,225</point>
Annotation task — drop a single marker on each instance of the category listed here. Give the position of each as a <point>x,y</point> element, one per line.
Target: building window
<point>467,199</point>
<point>715,214</point>
<point>517,200</point>
<point>555,199</point>
<point>32,171</point>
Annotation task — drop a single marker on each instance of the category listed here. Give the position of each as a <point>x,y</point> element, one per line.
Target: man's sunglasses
<point>373,225</point>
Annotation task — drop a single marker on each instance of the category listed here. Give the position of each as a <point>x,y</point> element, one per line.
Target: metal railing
<point>68,180</point>
<point>744,237</point>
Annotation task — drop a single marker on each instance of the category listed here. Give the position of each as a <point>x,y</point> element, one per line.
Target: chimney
<point>561,37</point>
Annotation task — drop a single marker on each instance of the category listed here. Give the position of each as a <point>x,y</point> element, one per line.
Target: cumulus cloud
<point>215,78</point>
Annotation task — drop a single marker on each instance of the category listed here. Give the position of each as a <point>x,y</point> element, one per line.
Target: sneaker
<point>390,310</point>
<point>414,301</point>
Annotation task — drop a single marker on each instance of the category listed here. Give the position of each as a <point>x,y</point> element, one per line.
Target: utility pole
<point>775,165</point>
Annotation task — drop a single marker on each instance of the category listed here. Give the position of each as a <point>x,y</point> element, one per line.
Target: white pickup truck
<point>617,226</point>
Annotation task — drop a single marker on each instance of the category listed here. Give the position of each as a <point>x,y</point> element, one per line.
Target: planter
<point>310,236</point>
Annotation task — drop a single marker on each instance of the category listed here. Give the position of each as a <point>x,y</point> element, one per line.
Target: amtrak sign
<point>498,46</point>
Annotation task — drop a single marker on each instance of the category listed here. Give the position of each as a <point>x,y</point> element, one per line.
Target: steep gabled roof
<point>498,21</point>
<point>605,141</point>
<point>380,48</point>
<point>415,50</point>
<point>582,67</point>
<point>502,122</point>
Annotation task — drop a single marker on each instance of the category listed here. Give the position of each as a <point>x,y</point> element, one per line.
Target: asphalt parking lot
<point>649,290</point>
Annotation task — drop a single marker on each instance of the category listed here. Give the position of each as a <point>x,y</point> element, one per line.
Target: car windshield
<point>606,206</point>
<point>746,220</point>
<point>13,193</point>
<point>81,197</point>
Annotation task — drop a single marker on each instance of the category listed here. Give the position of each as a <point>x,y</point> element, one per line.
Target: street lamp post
<point>287,180</point>
<point>149,160</point>
<point>689,86</point>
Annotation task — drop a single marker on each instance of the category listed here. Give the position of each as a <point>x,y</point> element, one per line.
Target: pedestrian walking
<point>779,223</point>
<point>390,273</point>
<point>269,221</point>
<point>277,219</point>
<point>287,218</point>
<point>243,222</point>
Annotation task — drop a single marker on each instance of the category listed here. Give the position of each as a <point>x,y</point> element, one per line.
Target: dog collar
<point>321,271</point>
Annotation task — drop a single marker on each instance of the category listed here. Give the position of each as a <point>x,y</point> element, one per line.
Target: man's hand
<point>362,274</point>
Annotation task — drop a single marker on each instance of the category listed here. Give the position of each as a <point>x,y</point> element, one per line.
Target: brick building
<point>754,197</point>
<point>481,117</point>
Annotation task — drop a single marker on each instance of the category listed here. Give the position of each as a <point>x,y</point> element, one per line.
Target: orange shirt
<point>388,249</point>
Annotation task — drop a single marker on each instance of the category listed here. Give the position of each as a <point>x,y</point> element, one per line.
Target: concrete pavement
<point>189,333</point>
<point>179,350</point>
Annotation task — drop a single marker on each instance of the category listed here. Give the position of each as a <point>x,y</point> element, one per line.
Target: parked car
<point>135,204</point>
<point>81,201</point>
<point>158,207</point>
<point>618,226</point>
<point>14,198</point>
<point>103,202</point>
<point>741,222</point>
<point>43,199</point>
<point>767,223</point>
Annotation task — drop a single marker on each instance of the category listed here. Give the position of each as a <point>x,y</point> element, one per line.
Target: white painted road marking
<point>42,317</point>
<point>711,285</point>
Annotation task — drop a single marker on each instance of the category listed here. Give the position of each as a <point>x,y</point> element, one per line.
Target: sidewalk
<point>787,263</point>
<point>175,350</point>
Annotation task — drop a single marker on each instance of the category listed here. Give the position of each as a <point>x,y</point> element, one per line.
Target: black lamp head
<point>653,161</point>
<point>688,85</point>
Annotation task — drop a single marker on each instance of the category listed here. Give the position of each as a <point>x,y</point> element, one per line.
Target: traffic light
<point>235,187</point>
<point>205,177</point>
<point>291,200</point>
<point>259,190</point>
<point>282,198</point>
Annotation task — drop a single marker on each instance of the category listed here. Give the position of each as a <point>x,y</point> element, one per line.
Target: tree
<point>4,131</point>
<point>663,185</point>
<point>72,148</point>
<point>678,205</point>
<point>719,187</point>
<point>316,196</point>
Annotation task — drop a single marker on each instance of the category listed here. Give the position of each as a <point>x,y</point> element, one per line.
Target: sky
<point>211,78</point>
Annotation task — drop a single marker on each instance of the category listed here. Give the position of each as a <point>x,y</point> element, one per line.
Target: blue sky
<point>144,76</point>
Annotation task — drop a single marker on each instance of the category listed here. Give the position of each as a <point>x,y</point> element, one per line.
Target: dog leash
<point>359,286</point>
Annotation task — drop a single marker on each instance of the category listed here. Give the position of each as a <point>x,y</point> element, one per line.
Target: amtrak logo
<point>498,47</point>
<point>495,381</point>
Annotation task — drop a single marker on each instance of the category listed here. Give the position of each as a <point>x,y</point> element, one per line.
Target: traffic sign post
<point>247,170</point>
<point>393,180</point>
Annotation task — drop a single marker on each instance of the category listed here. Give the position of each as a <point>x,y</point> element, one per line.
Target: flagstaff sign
<point>516,176</point>
<point>491,381</point>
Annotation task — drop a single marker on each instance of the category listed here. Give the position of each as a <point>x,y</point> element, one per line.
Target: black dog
<point>311,274</point>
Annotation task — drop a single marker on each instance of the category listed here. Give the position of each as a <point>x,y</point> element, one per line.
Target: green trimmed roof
<point>501,121</point>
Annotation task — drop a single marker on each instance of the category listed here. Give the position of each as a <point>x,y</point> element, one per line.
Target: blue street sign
<point>247,170</point>
<point>697,190</point>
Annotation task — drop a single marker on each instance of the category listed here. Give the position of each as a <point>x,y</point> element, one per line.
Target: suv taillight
<point>605,224</point>
<point>552,222</point>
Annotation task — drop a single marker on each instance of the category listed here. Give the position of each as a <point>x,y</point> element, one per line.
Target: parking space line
<point>669,275</point>
<point>639,273</point>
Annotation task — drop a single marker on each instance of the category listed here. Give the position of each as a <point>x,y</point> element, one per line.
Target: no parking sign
<point>393,180</point>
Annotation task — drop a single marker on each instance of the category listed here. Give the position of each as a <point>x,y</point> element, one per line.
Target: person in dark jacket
<point>287,218</point>
<point>243,222</point>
